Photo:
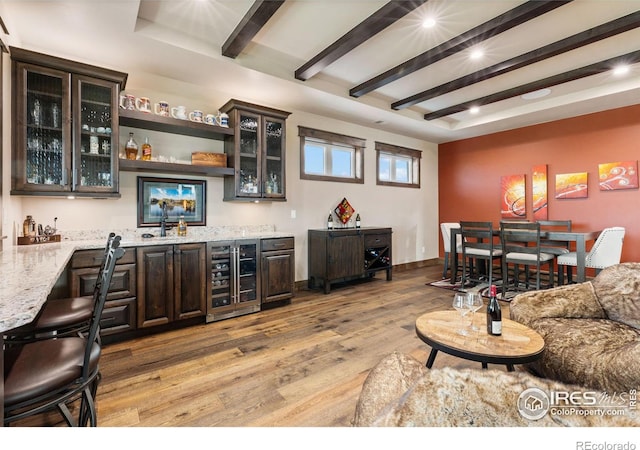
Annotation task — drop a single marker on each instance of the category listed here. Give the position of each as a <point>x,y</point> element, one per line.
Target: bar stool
<point>478,244</point>
<point>556,247</point>
<point>51,374</point>
<point>60,317</point>
<point>445,229</point>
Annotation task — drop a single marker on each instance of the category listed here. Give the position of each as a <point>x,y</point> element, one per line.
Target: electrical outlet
<point>293,213</point>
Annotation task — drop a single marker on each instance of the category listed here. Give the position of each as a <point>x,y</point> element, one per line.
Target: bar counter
<point>29,272</point>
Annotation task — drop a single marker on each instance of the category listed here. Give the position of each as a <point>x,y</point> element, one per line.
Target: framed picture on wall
<point>571,185</point>
<point>513,203</point>
<point>618,175</point>
<point>176,197</point>
<point>539,191</point>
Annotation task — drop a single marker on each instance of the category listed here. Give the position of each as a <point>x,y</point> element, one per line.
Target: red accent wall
<point>469,171</point>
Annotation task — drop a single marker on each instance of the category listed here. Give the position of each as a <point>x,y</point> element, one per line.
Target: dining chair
<point>478,245</point>
<point>51,374</point>
<point>606,251</point>
<point>521,246</point>
<point>445,229</point>
<point>61,317</point>
<point>554,246</point>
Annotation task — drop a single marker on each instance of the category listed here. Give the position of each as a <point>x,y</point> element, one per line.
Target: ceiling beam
<point>257,16</point>
<point>626,23</point>
<point>517,16</point>
<point>572,75</point>
<point>375,23</point>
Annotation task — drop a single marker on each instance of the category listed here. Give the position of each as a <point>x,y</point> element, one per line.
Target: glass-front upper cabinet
<point>95,164</point>
<point>42,140</point>
<point>65,127</point>
<point>256,151</point>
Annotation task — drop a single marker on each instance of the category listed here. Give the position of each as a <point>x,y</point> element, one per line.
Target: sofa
<point>401,391</point>
<point>591,330</point>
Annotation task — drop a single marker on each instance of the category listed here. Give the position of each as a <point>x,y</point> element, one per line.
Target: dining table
<point>579,238</point>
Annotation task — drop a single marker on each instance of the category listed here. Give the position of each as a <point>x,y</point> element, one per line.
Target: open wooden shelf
<point>150,121</point>
<point>129,165</point>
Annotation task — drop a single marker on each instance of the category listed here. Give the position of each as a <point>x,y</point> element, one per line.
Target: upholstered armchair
<point>401,391</point>
<point>591,329</point>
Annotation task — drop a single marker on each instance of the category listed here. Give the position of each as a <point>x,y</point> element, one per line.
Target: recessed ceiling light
<point>477,54</point>
<point>621,70</point>
<point>429,22</point>
<point>474,109</point>
<point>536,94</point>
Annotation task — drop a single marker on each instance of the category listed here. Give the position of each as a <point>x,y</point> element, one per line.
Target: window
<point>327,156</point>
<point>397,166</point>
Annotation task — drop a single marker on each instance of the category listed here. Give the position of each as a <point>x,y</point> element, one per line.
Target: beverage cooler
<point>234,281</point>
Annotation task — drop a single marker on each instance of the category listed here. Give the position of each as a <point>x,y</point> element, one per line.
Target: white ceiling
<point>182,40</point>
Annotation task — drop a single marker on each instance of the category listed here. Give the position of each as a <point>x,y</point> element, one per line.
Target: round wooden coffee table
<point>518,343</point>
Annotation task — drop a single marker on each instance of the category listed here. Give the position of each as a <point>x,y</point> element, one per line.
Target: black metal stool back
<point>52,374</point>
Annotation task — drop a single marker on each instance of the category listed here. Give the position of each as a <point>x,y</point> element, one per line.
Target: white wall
<point>412,213</point>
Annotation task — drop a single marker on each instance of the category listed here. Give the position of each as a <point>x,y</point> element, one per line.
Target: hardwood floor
<point>301,364</point>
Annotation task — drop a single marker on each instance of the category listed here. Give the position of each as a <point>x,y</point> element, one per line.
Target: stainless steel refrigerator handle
<point>238,275</point>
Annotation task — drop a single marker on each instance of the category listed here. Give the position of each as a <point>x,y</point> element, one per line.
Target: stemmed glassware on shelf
<point>474,303</point>
<point>460,305</point>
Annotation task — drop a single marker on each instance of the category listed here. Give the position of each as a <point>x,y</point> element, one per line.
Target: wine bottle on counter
<point>358,220</point>
<point>494,314</point>
<point>330,221</point>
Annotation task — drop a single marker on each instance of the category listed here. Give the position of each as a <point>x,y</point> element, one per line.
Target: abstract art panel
<point>571,185</point>
<point>539,189</point>
<point>512,203</point>
<point>618,175</point>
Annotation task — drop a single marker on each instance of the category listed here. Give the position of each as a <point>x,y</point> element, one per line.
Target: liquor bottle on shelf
<point>358,220</point>
<point>330,221</point>
<point>146,150</point>
<point>131,148</point>
<point>494,314</point>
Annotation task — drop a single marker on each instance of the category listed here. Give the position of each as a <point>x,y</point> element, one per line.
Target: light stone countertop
<point>29,272</point>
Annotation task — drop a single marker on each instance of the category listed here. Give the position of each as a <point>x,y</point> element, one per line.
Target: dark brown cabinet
<point>190,280</point>
<point>278,269</point>
<point>171,283</point>
<point>256,152</point>
<point>119,313</point>
<point>65,127</point>
<point>349,253</point>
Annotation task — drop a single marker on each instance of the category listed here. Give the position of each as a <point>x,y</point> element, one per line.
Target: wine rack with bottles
<point>377,252</point>
<point>234,279</point>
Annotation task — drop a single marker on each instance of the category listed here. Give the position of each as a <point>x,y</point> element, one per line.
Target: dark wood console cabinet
<point>347,253</point>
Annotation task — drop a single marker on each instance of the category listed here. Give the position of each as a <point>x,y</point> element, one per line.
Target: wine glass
<point>474,303</point>
<point>460,305</point>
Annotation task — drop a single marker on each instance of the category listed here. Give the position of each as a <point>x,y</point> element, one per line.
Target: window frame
<point>330,138</point>
<point>397,151</point>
